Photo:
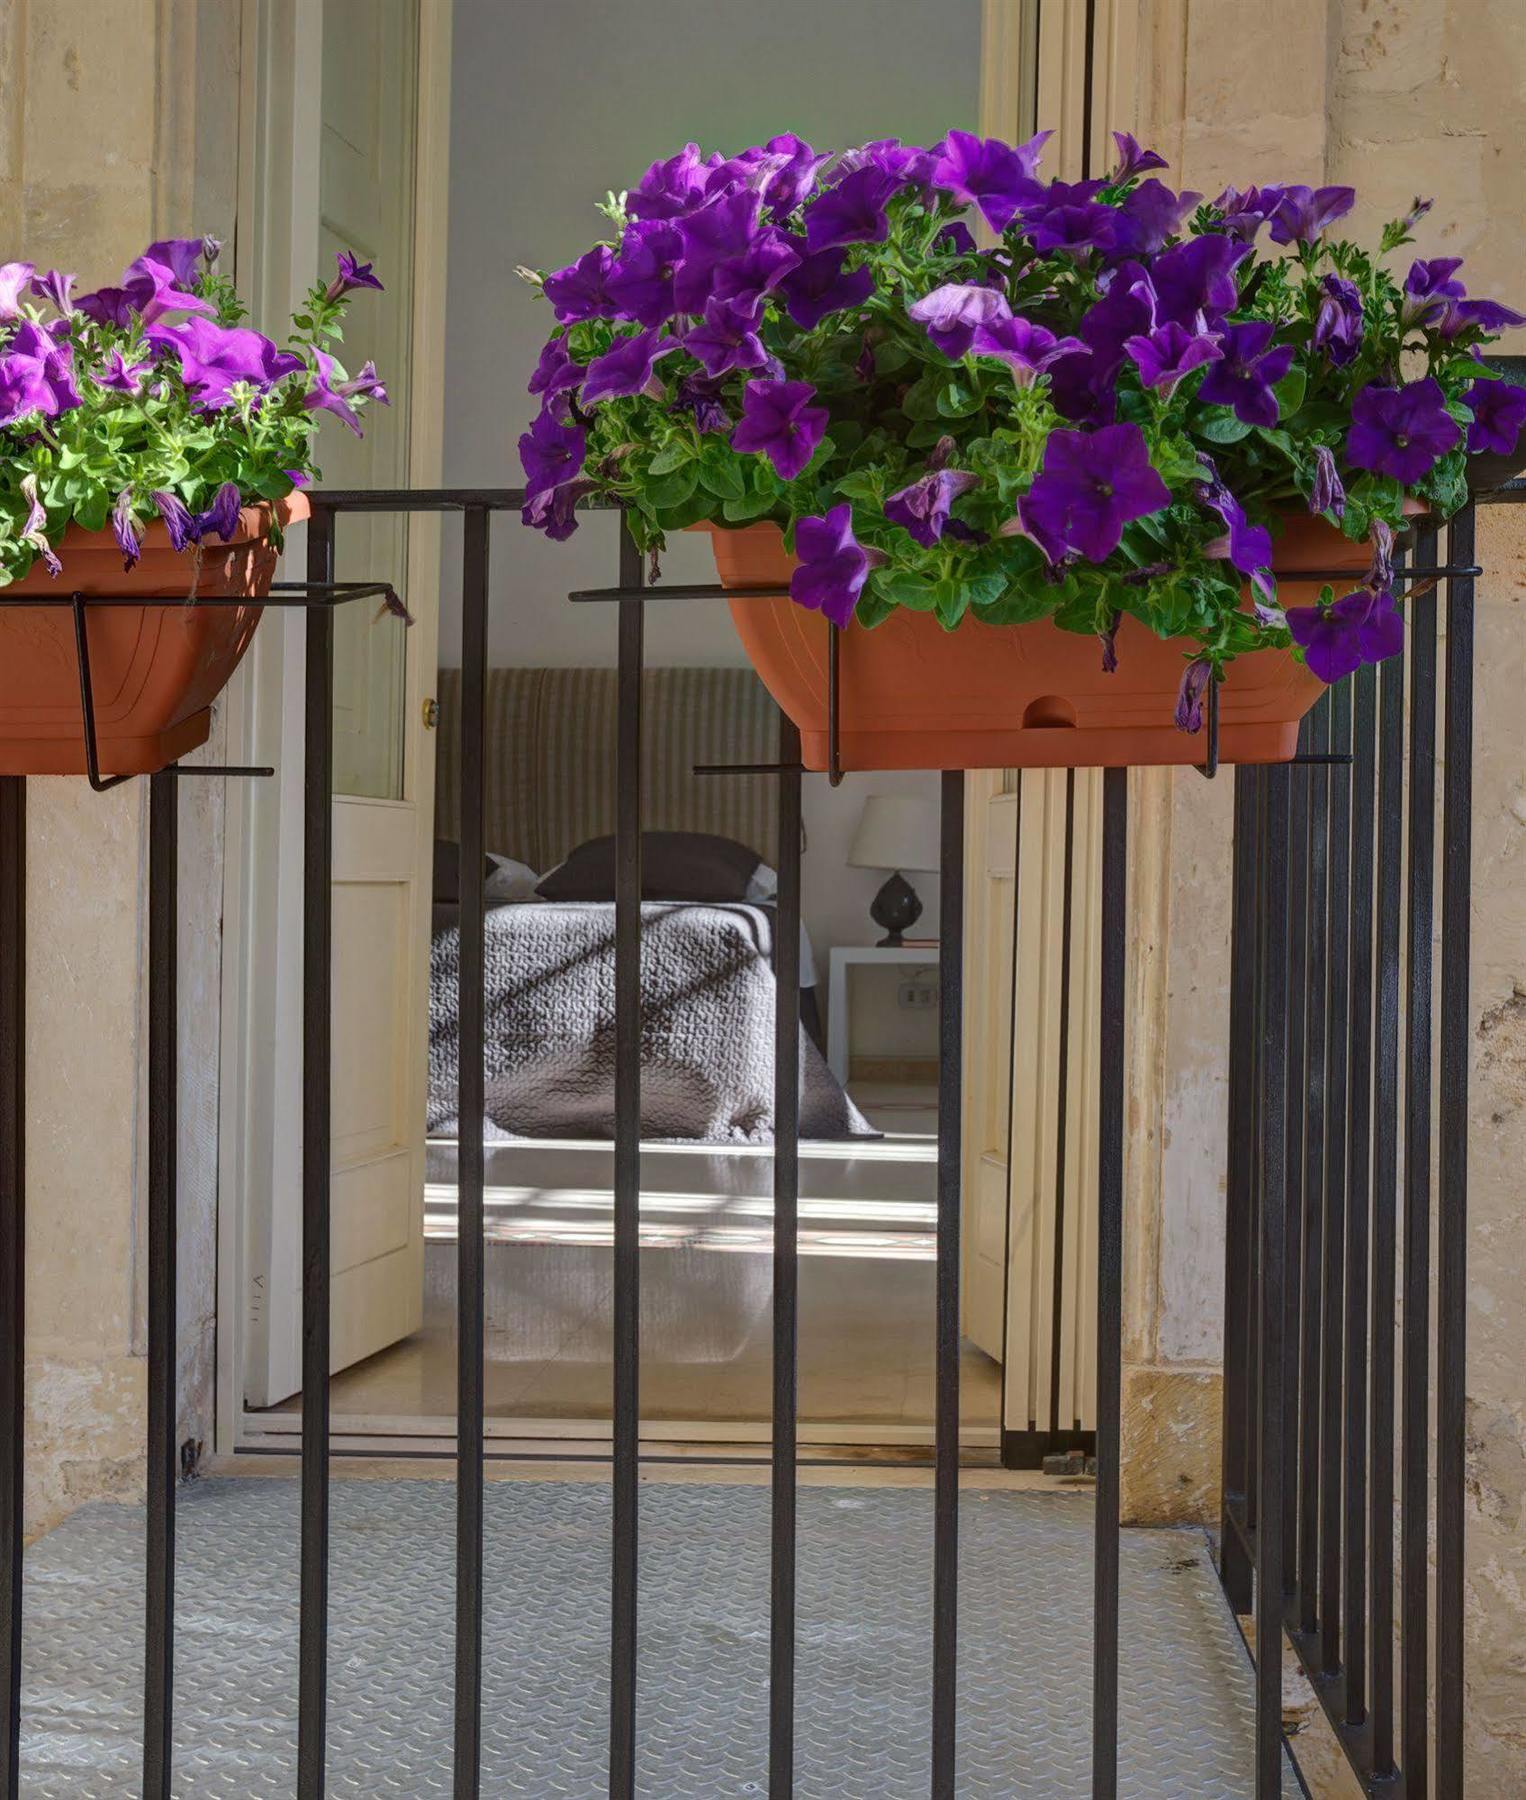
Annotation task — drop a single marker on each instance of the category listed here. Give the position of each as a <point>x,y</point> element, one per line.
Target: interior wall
<point>551,107</point>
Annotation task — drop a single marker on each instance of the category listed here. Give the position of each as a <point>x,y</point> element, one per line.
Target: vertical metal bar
<point>1110,1122</point>
<point>627,1198</point>
<point>159,1587</point>
<point>1294,1114</point>
<point>12,1262</point>
<point>1364,729</point>
<point>1385,1177</point>
<point>1234,1565</point>
<point>471,1111</point>
<point>1316,782</point>
<point>1452,1235</point>
<point>781,1675</point>
<point>1271,1314</point>
<point>1258,1142</point>
<point>1415,1363</point>
<point>317,963</point>
<point>1062,1108</point>
<point>1333,1279</point>
<point>946,1423</point>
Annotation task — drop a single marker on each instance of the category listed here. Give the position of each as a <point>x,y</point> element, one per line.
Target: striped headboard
<point>550,775</point>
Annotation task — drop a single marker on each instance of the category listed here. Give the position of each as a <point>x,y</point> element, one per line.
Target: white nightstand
<point>841,957</point>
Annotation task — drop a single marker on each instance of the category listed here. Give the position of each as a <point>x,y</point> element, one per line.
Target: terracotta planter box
<point>914,696</point>
<point>155,670</point>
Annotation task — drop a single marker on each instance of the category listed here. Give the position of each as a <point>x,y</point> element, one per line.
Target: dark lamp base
<point>896,908</point>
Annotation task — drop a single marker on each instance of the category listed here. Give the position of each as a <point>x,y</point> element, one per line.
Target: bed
<point>707,957</point>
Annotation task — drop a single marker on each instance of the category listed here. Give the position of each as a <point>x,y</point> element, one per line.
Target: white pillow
<point>508,880</point>
<point>762,885</point>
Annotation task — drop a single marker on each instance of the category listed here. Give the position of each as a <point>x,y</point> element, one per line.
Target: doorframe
<point>280,107</point>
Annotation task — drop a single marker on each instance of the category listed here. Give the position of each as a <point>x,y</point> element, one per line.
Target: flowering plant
<point>152,400</point>
<point>1106,410</point>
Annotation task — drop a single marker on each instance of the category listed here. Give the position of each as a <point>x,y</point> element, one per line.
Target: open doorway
<point>531,152</point>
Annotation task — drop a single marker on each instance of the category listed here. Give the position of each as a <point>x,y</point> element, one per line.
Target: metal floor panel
<point>864,1658</point>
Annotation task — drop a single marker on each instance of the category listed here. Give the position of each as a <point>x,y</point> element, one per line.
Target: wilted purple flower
<point>1197,276</point>
<point>1169,353</point>
<point>1027,349</point>
<point>1150,214</point>
<point>127,531</point>
<point>850,212</point>
<point>1499,412</point>
<point>58,288</point>
<point>641,281</point>
<point>118,373</point>
<point>1132,160</point>
<point>997,178</point>
<point>1401,431</point>
<point>1248,371</point>
<point>952,314</point>
<point>1303,213</point>
<point>556,371</point>
<point>1109,642</point>
<point>1362,627</point>
<point>1243,211</point>
<point>833,565</point>
<point>36,376</point>
<point>627,367</point>
<point>1338,324</point>
<point>701,398</point>
<point>222,516</point>
<point>819,285</point>
<point>35,530</point>
<point>328,394</point>
<point>15,277</point>
<point>1326,494</point>
<point>779,422</point>
<point>1380,568</point>
<point>581,291</point>
<point>727,338</point>
<point>1192,695</point>
<point>352,274</point>
<point>177,519</point>
<point>922,507</point>
<point>672,187</point>
<point>213,357</point>
<point>550,453</point>
<point>1429,290</point>
<point>1092,485</point>
<point>1418,209</point>
<point>1244,546</point>
<point>552,511</point>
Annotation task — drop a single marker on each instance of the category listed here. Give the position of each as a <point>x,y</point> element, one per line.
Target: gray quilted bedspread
<point>707,1027</point>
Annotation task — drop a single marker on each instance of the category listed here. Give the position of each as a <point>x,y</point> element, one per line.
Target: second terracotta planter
<point>914,696</point>
<point>155,670</point>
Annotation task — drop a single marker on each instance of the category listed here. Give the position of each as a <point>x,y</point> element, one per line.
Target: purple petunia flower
<point>852,211</point>
<point>905,164</point>
<point>955,239</point>
<point>1362,627</point>
<point>1401,431</point>
<point>1338,323</point>
<point>36,376</point>
<point>997,178</point>
<point>1084,225</point>
<point>1303,213</point>
<point>627,367</point>
<point>641,282</point>
<point>553,511</point>
<point>1429,289</point>
<point>833,565</point>
<point>1485,315</point>
<point>222,516</point>
<point>671,188</point>
<point>1169,353</point>
<point>727,338</point>
<point>1326,494</point>
<point>952,313</point>
<point>1192,695</point>
<point>182,256</point>
<point>335,396</point>
<point>1027,349</point>
<point>701,398</point>
<point>127,531</point>
<point>1132,160</point>
<point>1092,485</point>
<point>352,274</point>
<point>213,357</point>
<point>819,285</point>
<point>722,229</point>
<point>177,519</point>
<point>15,278</point>
<point>556,371</point>
<point>1150,214</point>
<point>779,422</point>
<point>748,276</point>
<point>581,291</point>
<point>1243,211</point>
<point>1197,276</point>
<point>58,288</point>
<point>787,167</point>
<point>153,291</point>
<point>550,453</point>
<point>1499,412</point>
<point>921,508</point>
<point>1246,374</point>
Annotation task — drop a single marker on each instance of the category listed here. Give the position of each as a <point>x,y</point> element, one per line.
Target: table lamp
<point>896,832</point>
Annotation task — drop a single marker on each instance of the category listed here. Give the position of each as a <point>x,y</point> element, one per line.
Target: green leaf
<point>674,457</point>
<point>93,508</point>
<point>721,476</point>
<point>955,400</point>
<point>672,490</point>
<point>905,589</point>
<point>1222,427</point>
<point>1290,391</point>
<point>688,512</point>
<point>750,506</point>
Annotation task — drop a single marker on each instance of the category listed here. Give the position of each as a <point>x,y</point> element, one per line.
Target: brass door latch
<point>431,714</point>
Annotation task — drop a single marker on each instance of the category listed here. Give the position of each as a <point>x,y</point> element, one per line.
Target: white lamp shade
<point>896,831</point>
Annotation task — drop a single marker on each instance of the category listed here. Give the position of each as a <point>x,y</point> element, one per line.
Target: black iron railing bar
<point>13,951</point>
<point>1295,1101</point>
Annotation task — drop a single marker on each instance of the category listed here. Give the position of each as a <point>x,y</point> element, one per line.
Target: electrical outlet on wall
<point>917,994</point>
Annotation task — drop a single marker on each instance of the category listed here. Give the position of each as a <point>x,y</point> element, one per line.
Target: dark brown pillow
<point>675,865</point>
<point>447,872</point>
